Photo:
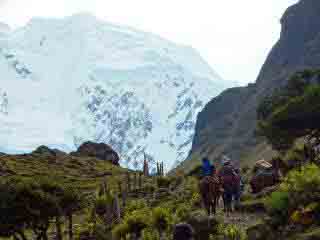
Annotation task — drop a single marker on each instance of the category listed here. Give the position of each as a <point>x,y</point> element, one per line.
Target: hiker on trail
<point>230,182</point>
<point>207,167</point>
<point>183,231</point>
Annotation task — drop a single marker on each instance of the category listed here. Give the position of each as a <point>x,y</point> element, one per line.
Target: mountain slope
<point>227,124</point>
<point>77,79</point>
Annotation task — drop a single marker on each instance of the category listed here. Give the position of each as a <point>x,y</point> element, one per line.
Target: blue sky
<point>234,37</point>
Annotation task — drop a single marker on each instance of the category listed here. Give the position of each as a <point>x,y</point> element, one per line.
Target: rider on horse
<point>209,186</point>
<point>207,167</point>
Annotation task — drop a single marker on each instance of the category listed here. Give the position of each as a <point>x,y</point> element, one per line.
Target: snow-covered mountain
<point>65,81</point>
<point>4,29</point>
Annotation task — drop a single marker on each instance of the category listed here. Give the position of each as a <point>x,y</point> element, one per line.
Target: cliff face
<point>227,123</point>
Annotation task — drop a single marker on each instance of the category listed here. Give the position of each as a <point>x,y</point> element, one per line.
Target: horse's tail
<point>204,186</point>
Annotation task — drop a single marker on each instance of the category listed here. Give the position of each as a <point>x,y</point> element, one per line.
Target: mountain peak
<point>94,81</point>
<point>301,18</point>
<point>4,28</point>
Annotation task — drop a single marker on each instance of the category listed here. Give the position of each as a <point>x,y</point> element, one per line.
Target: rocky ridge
<point>227,123</point>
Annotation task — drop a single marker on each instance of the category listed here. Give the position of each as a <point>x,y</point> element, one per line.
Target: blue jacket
<point>207,168</point>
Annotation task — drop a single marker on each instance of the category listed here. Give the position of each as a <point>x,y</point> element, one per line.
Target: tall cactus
<point>123,194</point>
<point>107,206</point>
<point>158,169</point>
<point>119,187</point>
<point>116,211</point>
<point>124,198</point>
<point>135,181</point>
<point>105,185</point>
<point>140,180</point>
<point>128,182</point>
<point>145,166</point>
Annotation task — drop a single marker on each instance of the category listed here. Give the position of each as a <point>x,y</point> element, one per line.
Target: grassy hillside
<point>85,172</point>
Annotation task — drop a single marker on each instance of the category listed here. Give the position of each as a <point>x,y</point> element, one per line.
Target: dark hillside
<point>227,124</point>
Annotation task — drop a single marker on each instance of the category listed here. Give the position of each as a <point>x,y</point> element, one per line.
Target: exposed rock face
<point>48,152</point>
<point>98,150</point>
<point>227,124</point>
<point>88,149</point>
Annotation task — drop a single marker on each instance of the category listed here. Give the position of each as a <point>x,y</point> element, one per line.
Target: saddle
<point>212,181</point>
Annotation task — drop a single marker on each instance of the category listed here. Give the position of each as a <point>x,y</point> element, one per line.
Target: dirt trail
<point>241,219</point>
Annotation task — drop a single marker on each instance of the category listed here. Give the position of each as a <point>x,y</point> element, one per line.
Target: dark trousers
<point>227,198</point>
<point>236,196</point>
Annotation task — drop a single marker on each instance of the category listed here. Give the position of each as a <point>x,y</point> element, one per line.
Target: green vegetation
<point>290,122</point>
<point>30,206</point>
<point>296,194</point>
<point>163,182</point>
<point>292,112</point>
<point>62,196</point>
<point>232,232</point>
<point>84,172</point>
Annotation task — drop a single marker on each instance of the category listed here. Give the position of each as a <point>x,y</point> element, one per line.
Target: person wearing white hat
<point>230,180</point>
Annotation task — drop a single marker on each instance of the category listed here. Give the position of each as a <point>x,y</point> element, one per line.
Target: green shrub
<point>299,189</point>
<point>202,225</point>
<point>246,197</point>
<point>135,205</point>
<point>92,231</point>
<point>195,171</point>
<point>30,204</point>
<point>292,112</point>
<point>177,180</point>
<point>100,205</point>
<point>182,213</point>
<point>150,234</point>
<point>149,188</point>
<point>137,221</point>
<point>191,186</point>
<point>163,182</point>
<point>295,157</point>
<point>161,219</point>
<point>196,199</point>
<point>304,181</point>
<point>232,232</point>
<point>120,231</point>
<point>277,205</point>
<point>278,202</point>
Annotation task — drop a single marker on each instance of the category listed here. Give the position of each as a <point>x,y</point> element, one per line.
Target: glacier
<point>66,81</point>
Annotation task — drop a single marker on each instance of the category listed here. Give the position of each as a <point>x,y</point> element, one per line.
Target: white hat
<point>226,160</point>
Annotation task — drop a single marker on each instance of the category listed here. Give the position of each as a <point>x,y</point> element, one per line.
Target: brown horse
<point>210,189</point>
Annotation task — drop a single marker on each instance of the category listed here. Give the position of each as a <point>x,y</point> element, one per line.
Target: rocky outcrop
<point>97,150</point>
<point>203,225</point>
<point>227,123</point>
<point>45,151</point>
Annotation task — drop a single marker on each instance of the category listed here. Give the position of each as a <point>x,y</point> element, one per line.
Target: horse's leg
<point>211,205</point>
<point>227,202</point>
<point>215,204</point>
<point>207,205</point>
